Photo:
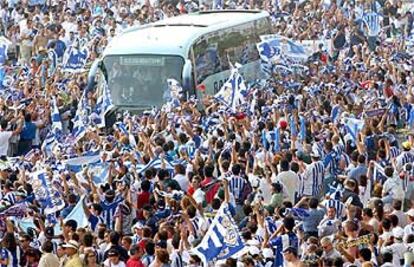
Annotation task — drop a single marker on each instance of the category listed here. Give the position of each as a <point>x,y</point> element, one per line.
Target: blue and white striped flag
<point>104,105</point>
<point>302,133</point>
<point>410,116</point>
<point>378,173</point>
<point>156,164</point>
<point>123,129</point>
<point>56,122</point>
<point>373,23</point>
<point>49,198</point>
<point>269,51</point>
<point>354,126</point>
<point>335,112</point>
<point>276,139</point>
<point>231,94</point>
<point>222,240</point>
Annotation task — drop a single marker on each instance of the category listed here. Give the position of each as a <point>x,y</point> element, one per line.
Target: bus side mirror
<point>187,83</point>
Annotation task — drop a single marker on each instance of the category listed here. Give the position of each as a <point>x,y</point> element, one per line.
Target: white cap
<point>398,232</point>
<point>253,250</point>
<point>410,213</point>
<point>315,153</point>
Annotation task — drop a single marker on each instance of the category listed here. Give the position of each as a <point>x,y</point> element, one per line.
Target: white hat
<point>253,250</point>
<point>268,253</point>
<point>398,232</point>
<point>315,153</point>
<point>72,244</point>
<point>410,213</point>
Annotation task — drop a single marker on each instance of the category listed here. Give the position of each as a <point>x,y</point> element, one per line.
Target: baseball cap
<point>410,213</point>
<point>71,244</point>
<point>113,252</point>
<point>268,253</point>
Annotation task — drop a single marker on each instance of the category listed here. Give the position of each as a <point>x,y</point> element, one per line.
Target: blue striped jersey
<point>10,197</point>
<point>281,243</point>
<point>330,163</point>
<point>373,23</point>
<point>109,212</point>
<point>394,152</point>
<point>236,187</point>
<point>313,179</point>
<point>338,205</point>
<point>404,158</point>
<point>339,149</point>
<point>13,257</point>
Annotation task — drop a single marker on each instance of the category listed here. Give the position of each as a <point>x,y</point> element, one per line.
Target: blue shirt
<point>281,243</point>
<point>29,131</point>
<point>357,172</point>
<point>311,222</point>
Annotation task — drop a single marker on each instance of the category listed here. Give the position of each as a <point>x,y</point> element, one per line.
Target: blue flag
<point>222,239</point>
<point>231,94</point>
<point>103,105</point>
<point>49,198</point>
<point>354,126</point>
<point>56,122</point>
<point>75,59</point>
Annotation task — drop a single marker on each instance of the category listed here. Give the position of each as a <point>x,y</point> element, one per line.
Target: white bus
<point>194,49</point>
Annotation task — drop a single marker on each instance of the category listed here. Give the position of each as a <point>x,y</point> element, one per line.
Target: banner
<point>77,164</point>
<point>49,198</point>
<point>231,93</point>
<point>222,239</point>
<point>379,112</point>
<point>75,58</point>
<point>354,126</point>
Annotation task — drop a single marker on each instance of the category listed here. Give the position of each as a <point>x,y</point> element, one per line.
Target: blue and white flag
<point>78,163</point>
<point>156,164</point>
<point>75,59</point>
<point>99,172</point>
<point>78,214</point>
<point>302,133</point>
<point>222,239</point>
<point>4,45</point>
<point>231,94</point>
<point>354,126</point>
<point>17,210</point>
<point>123,129</point>
<point>410,116</point>
<point>269,52</point>
<point>276,139</point>
<point>378,173</point>
<point>104,105</point>
<point>81,119</point>
<point>173,94</point>
<point>335,112</point>
<point>55,116</point>
<point>53,59</point>
<point>49,198</point>
<point>372,21</point>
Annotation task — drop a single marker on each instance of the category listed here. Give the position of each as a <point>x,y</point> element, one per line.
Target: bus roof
<point>173,36</point>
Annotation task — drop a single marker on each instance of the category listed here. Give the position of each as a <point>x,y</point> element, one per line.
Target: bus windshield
<point>141,80</point>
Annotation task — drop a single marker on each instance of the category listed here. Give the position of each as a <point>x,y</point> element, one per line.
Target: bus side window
<point>206,58</point>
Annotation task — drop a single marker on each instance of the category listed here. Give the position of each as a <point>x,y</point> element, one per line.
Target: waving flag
<point>75,58</point>
<point>56,122</point>
<point>302,133</point>
<point>269,51</point>
<point>354,126</point>
<point>123,129</point>
<point>276,139</point>
<point>17,210</point>
<point>231,94</point>
<point>80,121</point>
<point>372,22</point>
<point>379,174</point>
<point>222,239</point>
<point>49,198</point>
<point>156,164</point>
<point>4,45</point>
<point>104,105</point>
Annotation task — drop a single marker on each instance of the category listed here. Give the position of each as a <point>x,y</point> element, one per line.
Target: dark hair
<point>208,170</point>
<point>361,159</point>
<point>236,169</point>
<point>313,203</point>
<point>88,240</point>
<point>397,204</point>
<point>47,246</point>
<point>114,238</point>
<point>3,124</point>
<point>365,253</point>
<point>289,223</point>
<point>394,219</point>
<point>386,223</point>
<point>294,166</point>
<point>150,247</point>
<point>368,212</point>
<point>146,185</point>
<point>387,257</point>
<point>284,165</point>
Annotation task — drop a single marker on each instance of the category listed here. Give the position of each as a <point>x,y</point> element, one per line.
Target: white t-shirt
<point>199,196</point>
<point>291,180</point>
<point>182,180</point>
<point>4,142</point>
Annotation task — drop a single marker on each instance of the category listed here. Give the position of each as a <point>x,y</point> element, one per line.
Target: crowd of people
<point>304,187</point>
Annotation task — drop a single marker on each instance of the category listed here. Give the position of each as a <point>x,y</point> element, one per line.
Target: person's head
<point>331,213</point>
<point>365,254</point>
<point>386,224</point>
<point>3,124</point>
<point>284,165</point>
<point>135,251</point>
<point>397,204</point>
<point>313,203</point>
<point>126,242</point>
<point>196,182</point>
<point>290,254</point>
<point>24,241</point>
<point>90,257</point>
<point>326,244</point>
<point>70,226</point>
<point>114,238</point>
<point>47,246</point>
<point>161,256</point>
<point>71,248</point>
<point>289,223</point>
<point>387,257</point>
<point>113,256</point>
